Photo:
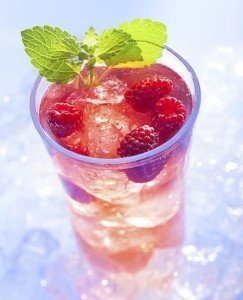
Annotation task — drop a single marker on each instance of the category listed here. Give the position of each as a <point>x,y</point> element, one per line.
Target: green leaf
<point>150,37</point>
<point>50,50</point>
<point>90,38</point>
<point>91,63</point>
<point>111,42</point>
<point>56,70</point>
<point>65,49</point>
<point>83,56</point>
<point>129,53</point>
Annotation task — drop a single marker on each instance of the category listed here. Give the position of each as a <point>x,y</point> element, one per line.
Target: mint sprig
<point>60,57</point>
<point>52,52</point>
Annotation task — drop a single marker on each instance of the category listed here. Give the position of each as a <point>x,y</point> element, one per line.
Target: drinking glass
<point>127,211</point>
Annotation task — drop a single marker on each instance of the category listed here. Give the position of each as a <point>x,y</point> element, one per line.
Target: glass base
<point>158,276</point>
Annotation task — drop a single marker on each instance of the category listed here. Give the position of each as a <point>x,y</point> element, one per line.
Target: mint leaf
<point>150,37</point>
<point>65,49</point>
<point>51,50</point>
<point>129,53</point>
<point>90,38</point>
<point>111,42</point>
<point>56,70</point>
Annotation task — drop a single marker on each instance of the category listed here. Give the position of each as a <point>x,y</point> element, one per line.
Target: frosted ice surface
<point>3,263</point>
<point>34,250</point>
<point>38,253</point>
<point>25,275</point>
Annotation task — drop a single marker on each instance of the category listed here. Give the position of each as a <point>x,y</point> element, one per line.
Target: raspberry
<point>146,172</point>
<point>75,192</point>
<point>143,96</point>
<point>78,148</point>
<point>139,140</point>
<point>168,117</point>
<point>63,119</point>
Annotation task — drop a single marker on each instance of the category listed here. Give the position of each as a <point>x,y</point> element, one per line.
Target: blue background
<point>38,253</point>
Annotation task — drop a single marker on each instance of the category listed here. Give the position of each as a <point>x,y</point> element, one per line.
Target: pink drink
<point>118,221</point>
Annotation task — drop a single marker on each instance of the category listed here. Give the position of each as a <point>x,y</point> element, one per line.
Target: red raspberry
<point>142,96</point>
<point>63,119</point>
<point>146,172</point>
<point>79,149</point>
<point>139,140</point>
<point>75,192</point>
<point>168,117</point>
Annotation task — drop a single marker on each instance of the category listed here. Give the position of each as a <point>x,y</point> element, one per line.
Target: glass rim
<point>124,160</point>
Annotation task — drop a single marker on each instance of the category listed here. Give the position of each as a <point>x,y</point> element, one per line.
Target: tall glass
<point>121,221</point>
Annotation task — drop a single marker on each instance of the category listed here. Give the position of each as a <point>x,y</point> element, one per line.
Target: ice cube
<point>63,277</point>
<point>35,248</point>
<point>70,278</point>
<point>18,285</point>
<point>27,269</point>
<point>12,216</point>
<point>197,277</point>
<point>105,126</point>
<point>110,91</point>
<point>134,75</point>
<point>136,118</point>
<point>116,287</point>
<point>59,91</point>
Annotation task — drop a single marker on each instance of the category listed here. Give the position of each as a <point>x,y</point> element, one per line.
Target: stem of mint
<point>91,76</point>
